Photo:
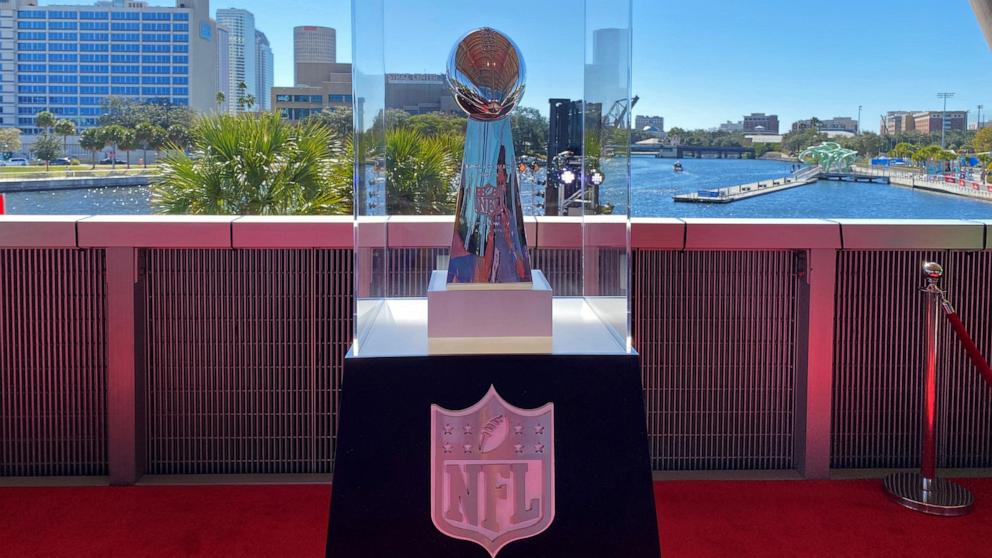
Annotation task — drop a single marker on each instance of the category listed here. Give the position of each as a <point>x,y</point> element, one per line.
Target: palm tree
<point>420,173</point>
<point>92,140</point>
<point>249,102</point>
<point>44,119</point>
<point>259,165</point>
<point>65,128</point>
<point>901,150</point>
<point>242,90</point>
<point>220,98</point>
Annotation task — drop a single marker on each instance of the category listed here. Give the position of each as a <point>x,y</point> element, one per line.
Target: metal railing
<point>215,345</point>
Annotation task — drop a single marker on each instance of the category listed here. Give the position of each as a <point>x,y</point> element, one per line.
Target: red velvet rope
<point>969,346</point>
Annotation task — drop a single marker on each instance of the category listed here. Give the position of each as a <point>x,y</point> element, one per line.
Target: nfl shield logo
<point>492,471</point>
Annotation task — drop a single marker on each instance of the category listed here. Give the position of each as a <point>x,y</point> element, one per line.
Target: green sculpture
<point>830,156</point>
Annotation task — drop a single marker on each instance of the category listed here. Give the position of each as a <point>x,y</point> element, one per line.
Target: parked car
<point>64,161</point>
<point>109,161</point>
<point>17,162</point>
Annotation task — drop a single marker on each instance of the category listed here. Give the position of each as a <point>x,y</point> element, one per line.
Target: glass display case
<point>570,149</point>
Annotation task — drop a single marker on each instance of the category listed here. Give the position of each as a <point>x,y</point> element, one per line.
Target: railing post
<point>815,394</point>
<point>125,423</point>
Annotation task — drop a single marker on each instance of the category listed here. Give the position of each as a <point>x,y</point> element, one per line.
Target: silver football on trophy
<point>486,74</point>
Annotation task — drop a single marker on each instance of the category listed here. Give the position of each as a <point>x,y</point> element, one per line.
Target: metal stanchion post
<point>924,491</point>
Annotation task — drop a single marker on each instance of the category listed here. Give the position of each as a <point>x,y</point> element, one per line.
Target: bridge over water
<point>691,151</point>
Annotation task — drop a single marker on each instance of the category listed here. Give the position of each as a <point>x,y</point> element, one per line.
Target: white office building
<point>242,57</point>
<point>264,72</point>
<point>67,59</point>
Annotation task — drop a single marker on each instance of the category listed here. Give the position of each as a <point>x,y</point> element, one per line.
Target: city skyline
<point>763,56</point>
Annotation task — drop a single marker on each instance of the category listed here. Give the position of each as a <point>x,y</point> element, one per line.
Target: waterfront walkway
<point>950,183</point>
<point>745,191</point>
<point>74,181</point>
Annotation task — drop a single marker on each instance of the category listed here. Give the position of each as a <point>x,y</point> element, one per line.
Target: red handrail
<point>969,346</point>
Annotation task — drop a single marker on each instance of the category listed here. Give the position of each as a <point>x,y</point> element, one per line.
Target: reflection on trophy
<point>486,74</point>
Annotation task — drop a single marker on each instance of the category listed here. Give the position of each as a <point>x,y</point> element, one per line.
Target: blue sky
<point>702,62</point>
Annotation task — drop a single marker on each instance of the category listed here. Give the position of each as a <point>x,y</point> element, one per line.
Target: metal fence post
<point>125,423</point>
<point>815,381</point>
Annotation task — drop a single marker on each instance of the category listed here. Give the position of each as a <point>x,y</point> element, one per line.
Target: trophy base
<point>496,319</point>
<point>487,286</point>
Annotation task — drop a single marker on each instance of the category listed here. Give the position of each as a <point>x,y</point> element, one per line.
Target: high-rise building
<point>264,72</point>
<point>314,54</point>
<point>761,123</point>
<point>242,57</point>
<point>608,75</point>
<point>67,59</point>
<point>223,68</point>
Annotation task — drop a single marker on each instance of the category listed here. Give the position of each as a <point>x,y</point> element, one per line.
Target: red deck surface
<point>697,518</point>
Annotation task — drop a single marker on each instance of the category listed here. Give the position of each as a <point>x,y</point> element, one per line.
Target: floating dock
<point>754,189</point>
<point>853,177</point>
<point>802,178</point>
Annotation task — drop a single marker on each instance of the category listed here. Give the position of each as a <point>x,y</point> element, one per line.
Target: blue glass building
<point>69,59</point>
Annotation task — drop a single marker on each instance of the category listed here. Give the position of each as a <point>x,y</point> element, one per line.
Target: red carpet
<point>789,518</point>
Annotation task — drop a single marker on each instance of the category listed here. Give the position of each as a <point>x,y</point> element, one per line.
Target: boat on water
<point>677,167</point>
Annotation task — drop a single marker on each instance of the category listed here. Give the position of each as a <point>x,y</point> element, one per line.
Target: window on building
<point>62,25</point>
<point>58,14</point>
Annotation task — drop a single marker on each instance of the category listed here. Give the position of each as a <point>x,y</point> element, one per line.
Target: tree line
<point>125,125</point>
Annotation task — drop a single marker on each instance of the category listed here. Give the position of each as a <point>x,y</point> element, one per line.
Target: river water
<point>653,185</point>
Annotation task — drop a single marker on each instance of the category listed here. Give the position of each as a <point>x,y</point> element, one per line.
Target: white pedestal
<point>492,320</point>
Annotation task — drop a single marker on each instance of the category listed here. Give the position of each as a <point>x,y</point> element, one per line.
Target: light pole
<point>859,118</point>
<point>943,116</point>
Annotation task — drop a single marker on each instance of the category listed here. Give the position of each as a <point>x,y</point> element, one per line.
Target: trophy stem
<point>489,245</point>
